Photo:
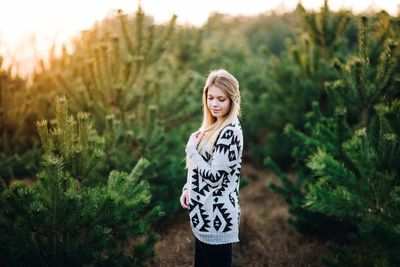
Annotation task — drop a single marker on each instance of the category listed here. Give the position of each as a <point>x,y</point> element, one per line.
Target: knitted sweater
<point>213,183</point>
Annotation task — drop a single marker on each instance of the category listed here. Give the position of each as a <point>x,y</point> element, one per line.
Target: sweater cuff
<point>185,186</point>
<point>191,150</point>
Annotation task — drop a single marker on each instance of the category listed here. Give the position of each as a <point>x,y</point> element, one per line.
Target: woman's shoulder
<point>234,125</point>
<point>231,134</point>
<point>231,129</point>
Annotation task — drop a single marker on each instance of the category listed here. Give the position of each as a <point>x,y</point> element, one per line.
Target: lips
<point>215,110</point>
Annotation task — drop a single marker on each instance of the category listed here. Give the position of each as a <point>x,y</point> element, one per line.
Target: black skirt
<point>207,255</point>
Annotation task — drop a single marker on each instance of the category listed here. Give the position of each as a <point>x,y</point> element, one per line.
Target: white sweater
<point>213,183</point>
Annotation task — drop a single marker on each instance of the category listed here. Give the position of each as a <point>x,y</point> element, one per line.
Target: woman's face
<point>218,102</point>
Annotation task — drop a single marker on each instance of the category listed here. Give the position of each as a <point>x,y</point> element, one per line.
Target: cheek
<point>226,106</point>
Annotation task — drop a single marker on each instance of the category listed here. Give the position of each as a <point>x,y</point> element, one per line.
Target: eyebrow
<point>216,96</point>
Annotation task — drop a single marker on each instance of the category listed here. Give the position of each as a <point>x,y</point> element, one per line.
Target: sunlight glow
<point>29,28</point>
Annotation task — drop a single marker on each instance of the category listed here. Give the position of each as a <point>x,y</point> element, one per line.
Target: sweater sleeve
<point>186,185</point>
<point>214,172</point>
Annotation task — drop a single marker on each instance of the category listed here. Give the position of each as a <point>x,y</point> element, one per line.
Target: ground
<point>266,237</point>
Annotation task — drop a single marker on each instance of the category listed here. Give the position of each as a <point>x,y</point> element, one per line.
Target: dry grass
<point>176,247</point>
<point>266,239</point>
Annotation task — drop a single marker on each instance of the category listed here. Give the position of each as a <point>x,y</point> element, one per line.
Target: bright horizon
<point>28,33</point>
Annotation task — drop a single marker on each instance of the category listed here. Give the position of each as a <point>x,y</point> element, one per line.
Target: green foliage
<point>11,89</point>
<point>324,28</point>
<point>124,72</point>
<point>74,140</point>
<point>108,74</point>
<point>285,99</point>
<point>294,80</point>
<point>19,165</point>
<point>142,85</point>
<point>364,192</point>
<point>65,219</point>
<point>269,32</point>
<point>15,131</point>
<point>361,87</point>
<point>348,162</point>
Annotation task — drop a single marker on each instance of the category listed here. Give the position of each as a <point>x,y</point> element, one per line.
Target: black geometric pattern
<point>199,185</point>
<point>232,155</point>
<point>207,156</point>
<point>199,217</point>
<point>225,215</point>
<point>217,223</point>
<point>232,200</point>
<point>214,188</point>
<point>224,185</point>
<point>213,177</point>
<point>195,220</point>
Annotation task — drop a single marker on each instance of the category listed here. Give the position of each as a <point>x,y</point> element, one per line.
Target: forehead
<point>215,91</point>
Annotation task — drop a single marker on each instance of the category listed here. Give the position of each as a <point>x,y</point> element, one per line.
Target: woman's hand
<point>195,138</point>
<point>185,199</point>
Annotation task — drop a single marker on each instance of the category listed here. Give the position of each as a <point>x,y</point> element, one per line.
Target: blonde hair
<point>210,126</point>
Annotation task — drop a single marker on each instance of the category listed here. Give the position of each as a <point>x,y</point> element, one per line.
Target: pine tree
<point>108,74</point>
<point>348,162</point>
<point>363,191</point>
<point>139,96</point>
<point>325,29</point>
<point>18,154</point>
<point>65,218</point>
<point>322,41</point>
<point>296,78</point>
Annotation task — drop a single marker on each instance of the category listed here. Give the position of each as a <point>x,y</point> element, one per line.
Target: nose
<point>214,104</point>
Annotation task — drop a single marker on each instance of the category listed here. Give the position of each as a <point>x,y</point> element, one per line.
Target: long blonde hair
<point>210,126</point>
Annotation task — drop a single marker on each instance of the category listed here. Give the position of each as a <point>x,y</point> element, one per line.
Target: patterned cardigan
<point>213,183</point>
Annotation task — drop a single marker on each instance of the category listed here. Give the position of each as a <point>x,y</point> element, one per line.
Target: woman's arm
<point>221,161</point>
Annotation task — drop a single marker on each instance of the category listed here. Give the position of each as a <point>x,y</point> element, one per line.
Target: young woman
<point>213,159</point>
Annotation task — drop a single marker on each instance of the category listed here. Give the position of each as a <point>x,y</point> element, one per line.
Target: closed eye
<point>222,100</point>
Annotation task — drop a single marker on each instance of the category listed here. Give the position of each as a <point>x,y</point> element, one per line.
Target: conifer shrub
<point>347,188</point>
<point>19,152</point>
<point>293,80</point>
<point>69,218</point>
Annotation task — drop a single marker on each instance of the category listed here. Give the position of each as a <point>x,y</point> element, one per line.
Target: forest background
<point>92,147</point>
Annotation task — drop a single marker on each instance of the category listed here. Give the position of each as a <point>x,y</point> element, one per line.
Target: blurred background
<point>98,99</point>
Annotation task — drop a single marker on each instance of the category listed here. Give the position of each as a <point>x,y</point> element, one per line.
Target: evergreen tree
<point>363,190</point>
<point>348,183</point>
<point>325,29</point>
<point>64,218</point>
<point>110,71</point>
<point>138,95</point>
<point>18,152</point>
<point>294,79</point>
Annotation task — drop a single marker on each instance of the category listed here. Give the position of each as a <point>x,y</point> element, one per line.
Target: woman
<point>213,159</point>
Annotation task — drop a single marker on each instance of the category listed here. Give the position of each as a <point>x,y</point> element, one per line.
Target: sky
<point>28,28</point>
